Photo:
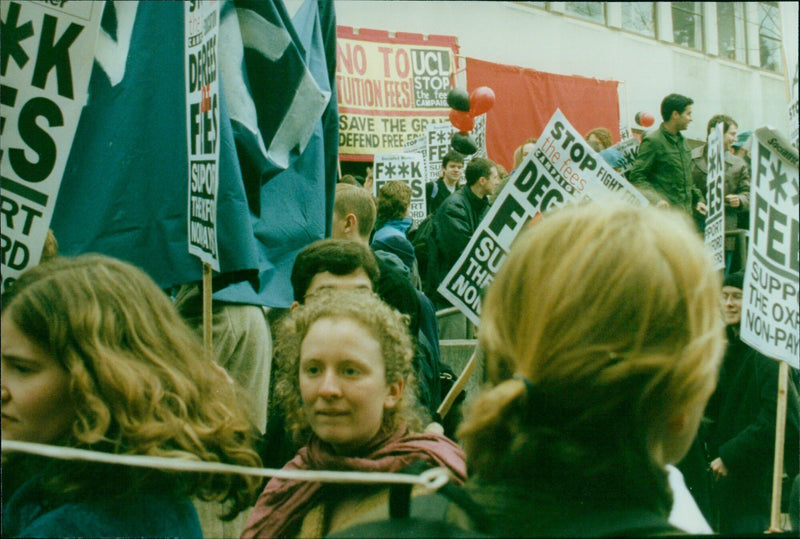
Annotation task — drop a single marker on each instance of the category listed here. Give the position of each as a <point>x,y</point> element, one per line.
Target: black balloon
<point>458,99</point>
<point>463,143</point>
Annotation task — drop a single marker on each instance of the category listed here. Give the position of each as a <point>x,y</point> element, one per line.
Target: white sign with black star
<point>770,314</point>
<point>405,167</point>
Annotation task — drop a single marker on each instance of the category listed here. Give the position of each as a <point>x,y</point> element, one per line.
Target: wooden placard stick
<point>780,435</point>
<point>458,386</point>
<point>207,339</point>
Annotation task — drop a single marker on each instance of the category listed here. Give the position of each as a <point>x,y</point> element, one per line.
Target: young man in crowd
<point>453,225</point>
<point>663,165</point>
<point>737,175</point>
<point>438,191</point>
<point>354,213</point>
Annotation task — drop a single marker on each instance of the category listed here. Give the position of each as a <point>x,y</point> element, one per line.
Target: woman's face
<point>343,383</point>
<point>595,142</point>
<point>36,404</point>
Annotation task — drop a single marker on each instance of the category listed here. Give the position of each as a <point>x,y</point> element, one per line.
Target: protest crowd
<point>615,288</point>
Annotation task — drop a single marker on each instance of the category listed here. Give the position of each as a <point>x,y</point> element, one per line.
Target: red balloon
<point>481,100</point>
<point>645,119</point>
<point>461,120</point>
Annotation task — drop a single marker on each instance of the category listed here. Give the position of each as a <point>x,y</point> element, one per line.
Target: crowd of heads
<point>602,334</point>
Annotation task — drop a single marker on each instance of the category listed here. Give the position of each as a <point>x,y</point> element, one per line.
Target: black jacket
<point>453,225</point>
<point>435,193</point>
<point>743,431</point>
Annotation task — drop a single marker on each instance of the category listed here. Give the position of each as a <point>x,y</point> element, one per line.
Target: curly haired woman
<point>95,356</point>
<point>346,384</point>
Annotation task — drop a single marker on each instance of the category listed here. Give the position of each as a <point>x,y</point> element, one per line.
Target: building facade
<point>729,57</point>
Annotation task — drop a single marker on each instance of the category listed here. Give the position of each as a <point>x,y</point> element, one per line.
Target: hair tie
<point>529,386</point>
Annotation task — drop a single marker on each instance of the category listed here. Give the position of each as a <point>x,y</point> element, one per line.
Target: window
<point>591,11</point>
<point>730,30</point>
<point>639,17</point>
<point>769,36</point>
<point>687,24</point>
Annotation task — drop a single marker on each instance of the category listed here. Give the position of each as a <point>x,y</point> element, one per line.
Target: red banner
<point>389,87</point>
<point>525,100</point>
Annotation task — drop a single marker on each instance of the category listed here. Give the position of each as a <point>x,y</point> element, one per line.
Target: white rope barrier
<point>433,478</point>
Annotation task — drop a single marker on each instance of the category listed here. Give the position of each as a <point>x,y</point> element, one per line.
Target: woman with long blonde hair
<point>603,339</point>
<point>95,356</point>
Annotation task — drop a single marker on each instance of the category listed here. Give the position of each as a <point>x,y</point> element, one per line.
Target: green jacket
<point>664,166</point>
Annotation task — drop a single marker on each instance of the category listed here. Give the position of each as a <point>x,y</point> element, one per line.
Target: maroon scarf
<point>284,503</point>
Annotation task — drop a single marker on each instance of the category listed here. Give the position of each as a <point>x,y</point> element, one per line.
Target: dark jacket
<point>435,193</point>
<point>737,182</point>
<point>453,225</point>
<point>395,289</point>
<point>743,431</point>
<point>392,237</point>
<point>664,165</point>
<point>531,511</point>
<point>29,512</point>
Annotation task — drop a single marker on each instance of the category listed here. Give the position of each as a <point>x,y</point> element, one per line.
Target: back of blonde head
<point>611,313</point>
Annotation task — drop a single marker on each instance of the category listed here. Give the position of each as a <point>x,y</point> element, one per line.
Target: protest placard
<point>389,88</point>
<point>770,316</point>
<point>794,117</point>
<point>416,145</point>
<point>49,48</point>
<point>479,134</point>
<point>561,168</point>
<point>628,147</point>
<point>202,127</point>
<point>437,143</point>
<point>405,167</point>
<point>715,216</point>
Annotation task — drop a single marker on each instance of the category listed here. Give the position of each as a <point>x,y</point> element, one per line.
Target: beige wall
<point>509,33</point>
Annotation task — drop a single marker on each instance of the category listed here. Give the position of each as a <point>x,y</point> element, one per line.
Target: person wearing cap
<point>737,174</point>
<point>742,432</point>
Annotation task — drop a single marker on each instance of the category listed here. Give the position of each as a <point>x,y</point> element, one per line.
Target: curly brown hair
<point>603,135</point>
<point>140,381</point>
<point>386,325</point>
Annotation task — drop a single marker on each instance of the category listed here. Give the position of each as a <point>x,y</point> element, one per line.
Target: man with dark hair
<point>438,191</point>
<point>737,176</point>
<point>663,166</point>
<point>328,263</point>
<point>332,263</point>
<point>453,226</point>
